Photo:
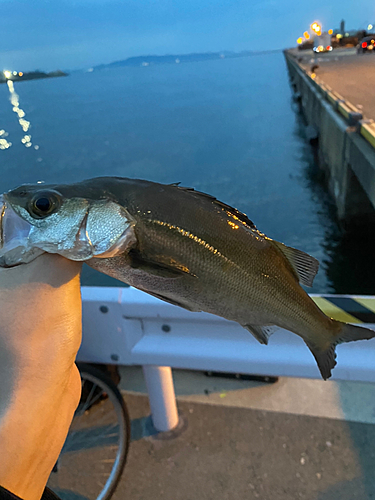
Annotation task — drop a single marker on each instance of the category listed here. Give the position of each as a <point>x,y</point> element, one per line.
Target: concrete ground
<point>237,439</point>
<point>348,73</point>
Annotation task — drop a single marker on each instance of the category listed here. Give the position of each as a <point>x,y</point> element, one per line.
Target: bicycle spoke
<point>89,401</point>
<point>95,437</point>
<point>85,406</point>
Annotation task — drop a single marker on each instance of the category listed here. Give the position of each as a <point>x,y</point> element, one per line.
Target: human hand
<point>40,333</point>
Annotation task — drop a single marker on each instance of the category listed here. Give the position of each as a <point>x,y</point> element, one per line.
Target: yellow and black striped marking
<point>348,309</point>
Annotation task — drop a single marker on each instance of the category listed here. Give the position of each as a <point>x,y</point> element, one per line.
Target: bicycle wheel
<point>96,448</point>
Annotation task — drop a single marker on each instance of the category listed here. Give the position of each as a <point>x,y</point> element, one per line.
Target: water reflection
<point>25,124</point>
<point>4,143</point>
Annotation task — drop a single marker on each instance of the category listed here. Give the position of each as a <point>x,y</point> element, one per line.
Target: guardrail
<point>125,326</point>
<point>353,116</point>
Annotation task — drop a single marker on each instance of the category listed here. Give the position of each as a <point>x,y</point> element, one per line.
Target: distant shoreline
<point>149,60</point>
<point>30,75</point>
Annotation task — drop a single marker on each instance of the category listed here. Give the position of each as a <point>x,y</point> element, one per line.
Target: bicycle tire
<point>69,479</point>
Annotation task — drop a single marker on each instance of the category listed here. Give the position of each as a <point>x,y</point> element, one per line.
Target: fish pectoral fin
<point>261,333</point>
<point>161,269</point>
<point>174,302</point>
<point>303,264</point>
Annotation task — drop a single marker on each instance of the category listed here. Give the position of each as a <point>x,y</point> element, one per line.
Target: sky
<point>68,34</point>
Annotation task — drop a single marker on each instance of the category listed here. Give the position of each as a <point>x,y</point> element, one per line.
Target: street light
<point>317,28</point>
<point>369,27</point>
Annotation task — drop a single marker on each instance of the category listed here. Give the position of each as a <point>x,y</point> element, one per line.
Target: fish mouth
<point>14,233</point>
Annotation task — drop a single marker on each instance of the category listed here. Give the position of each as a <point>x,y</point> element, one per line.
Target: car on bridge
<point>323,43</point>
<point>366,45</point>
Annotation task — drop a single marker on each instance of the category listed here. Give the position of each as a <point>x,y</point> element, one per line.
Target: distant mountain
<point>175,59</point>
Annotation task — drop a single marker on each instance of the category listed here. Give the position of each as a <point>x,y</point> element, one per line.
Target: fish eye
<point>44,204</point>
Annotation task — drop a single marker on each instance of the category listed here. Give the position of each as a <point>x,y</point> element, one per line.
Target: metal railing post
<point>161,395</point>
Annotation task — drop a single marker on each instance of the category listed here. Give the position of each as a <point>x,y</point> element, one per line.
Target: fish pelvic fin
<point>326,359</point>
<point>302,263</point>
<point>261,333</point>
<point>174,302</point>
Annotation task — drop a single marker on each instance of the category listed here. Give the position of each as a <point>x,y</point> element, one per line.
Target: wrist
<point>32,434</point>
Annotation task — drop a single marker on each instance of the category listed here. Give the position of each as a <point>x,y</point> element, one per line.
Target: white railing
<point>125,326</point>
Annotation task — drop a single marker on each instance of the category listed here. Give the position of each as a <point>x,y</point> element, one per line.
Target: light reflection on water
<point>25,124</point>
<point>4,143</point>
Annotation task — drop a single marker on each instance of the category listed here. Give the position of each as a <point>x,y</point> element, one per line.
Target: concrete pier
<point>344,132</point>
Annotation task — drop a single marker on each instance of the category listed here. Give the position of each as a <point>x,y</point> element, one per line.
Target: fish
<point>180,245</point>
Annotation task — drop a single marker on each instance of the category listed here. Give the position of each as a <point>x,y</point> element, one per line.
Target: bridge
<point>333,92</point>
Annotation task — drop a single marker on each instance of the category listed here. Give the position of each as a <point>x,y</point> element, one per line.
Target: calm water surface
<point>225,127</point>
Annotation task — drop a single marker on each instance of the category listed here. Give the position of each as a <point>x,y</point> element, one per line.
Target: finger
<point>51,269</point>
<point>40,309</point>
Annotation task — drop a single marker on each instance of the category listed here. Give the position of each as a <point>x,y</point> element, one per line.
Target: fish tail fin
<point>350,333</point>
<point>326,359</point>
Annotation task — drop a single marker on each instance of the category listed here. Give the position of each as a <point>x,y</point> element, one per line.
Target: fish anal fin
<point>326,360</point>
<point>303,264</point>
<point>261,333</point>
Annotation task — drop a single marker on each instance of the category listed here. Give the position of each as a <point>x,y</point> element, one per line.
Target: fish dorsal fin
<point>303,264</point>
<point>239,215</point>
